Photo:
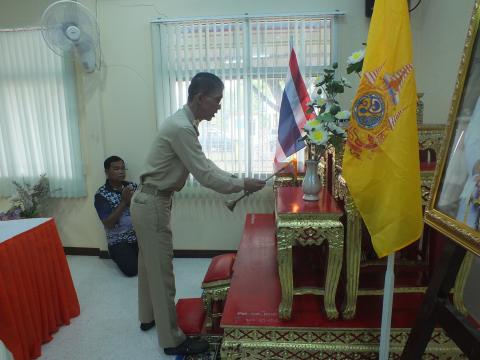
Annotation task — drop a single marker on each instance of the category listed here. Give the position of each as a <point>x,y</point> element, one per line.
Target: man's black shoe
<point>188,347</point>
<point>147,326</point>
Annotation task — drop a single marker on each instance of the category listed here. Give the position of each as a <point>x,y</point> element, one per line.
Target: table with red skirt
<point>37,295</point>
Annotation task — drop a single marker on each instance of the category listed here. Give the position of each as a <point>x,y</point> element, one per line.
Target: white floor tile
<point>107,327</point>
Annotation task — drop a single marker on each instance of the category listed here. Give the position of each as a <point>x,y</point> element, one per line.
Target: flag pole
<point>387,308</point>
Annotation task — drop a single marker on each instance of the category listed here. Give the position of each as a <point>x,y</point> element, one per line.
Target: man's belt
<point>152,190</point>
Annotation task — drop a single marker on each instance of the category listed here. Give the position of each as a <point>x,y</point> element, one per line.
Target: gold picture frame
<point>454,207</point>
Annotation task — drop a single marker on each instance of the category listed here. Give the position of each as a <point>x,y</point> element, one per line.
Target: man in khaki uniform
<point>175,153</point>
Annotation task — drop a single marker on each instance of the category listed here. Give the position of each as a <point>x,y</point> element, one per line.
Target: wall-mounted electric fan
<point>69,28</point>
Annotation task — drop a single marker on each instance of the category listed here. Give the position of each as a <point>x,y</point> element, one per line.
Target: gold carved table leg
<point>334,267</point>
<point>207,305</point>
<point>209,296</point>
<point>314,234</point>
<point>285,271</point>
<point>353,256</point>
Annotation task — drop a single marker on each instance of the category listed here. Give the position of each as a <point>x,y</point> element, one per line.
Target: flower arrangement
<point>328,126</point>
<point>29,200</point>
<point>355,62</point>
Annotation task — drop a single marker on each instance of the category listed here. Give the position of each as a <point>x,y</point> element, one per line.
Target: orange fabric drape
<point>37,295</point>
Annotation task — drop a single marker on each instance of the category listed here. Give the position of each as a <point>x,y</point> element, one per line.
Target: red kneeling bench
<point>215,285</point>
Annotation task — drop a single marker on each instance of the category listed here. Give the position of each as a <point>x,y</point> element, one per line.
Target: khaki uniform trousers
<point>156,281</point>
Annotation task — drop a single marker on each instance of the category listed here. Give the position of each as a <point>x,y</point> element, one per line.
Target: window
<point>38,117</point>
<point>250,54</point>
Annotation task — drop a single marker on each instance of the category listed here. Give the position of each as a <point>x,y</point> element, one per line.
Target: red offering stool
<point>215,285</point>
<point>190,315</point>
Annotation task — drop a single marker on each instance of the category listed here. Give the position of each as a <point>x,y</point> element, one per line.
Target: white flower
<point>312,125</point>
<point>356,57</point>
<point>318,136</point>
<point>343,115</point>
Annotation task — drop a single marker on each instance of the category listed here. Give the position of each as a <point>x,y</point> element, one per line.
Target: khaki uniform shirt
<point>176,152</point>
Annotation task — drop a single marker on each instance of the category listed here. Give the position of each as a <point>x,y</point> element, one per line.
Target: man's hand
<point>127,194</point>
<point>251,185</point>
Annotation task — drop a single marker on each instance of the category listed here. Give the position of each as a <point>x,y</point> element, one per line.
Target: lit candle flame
<point>294,165</point>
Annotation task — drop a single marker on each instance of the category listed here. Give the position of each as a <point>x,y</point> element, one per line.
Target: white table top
<point>4,353</point>
<point>10,228</point>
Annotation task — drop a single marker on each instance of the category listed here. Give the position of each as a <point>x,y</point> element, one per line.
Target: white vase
<point>311,182</point>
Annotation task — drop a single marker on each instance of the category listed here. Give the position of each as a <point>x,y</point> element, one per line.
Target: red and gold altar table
<point>253,329</point>
<point>37,294</point>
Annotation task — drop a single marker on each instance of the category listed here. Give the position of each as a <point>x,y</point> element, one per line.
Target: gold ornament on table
<point>420,107</point>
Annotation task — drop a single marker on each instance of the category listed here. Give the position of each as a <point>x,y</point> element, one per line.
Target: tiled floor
<point>108,327</point>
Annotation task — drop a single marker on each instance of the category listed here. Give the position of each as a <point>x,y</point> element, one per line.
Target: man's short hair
<point>108,161</point>
<point>205,83</point>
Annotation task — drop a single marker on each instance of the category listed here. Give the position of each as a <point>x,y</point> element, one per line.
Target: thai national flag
<point>293,112</point>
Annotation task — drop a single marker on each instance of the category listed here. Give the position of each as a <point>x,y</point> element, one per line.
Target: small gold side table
<point>306,223</point>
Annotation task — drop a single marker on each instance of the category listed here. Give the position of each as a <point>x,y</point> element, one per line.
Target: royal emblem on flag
<point>374,109</point>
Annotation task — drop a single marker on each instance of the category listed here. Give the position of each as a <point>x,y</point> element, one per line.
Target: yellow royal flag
<point>381,161</point>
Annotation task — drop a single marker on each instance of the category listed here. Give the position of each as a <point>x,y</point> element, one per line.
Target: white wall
<point>118,109</point>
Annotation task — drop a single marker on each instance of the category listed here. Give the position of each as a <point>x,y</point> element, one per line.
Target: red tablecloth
<point>37,295</point>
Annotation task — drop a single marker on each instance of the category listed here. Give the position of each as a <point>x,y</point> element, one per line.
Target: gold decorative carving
<point>459,232</point>
<point>307,230</point>
<point>398,290</point>
<point>320,343</point>
<point>426,179</point>
<point>308,291</point>
<point>209,295</point>
<point>460,281</point>
<point>431,137</point>
<point>287,180</point>
<point>353,256</point>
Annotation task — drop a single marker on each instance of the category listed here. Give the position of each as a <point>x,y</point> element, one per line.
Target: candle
<point>294,165</point>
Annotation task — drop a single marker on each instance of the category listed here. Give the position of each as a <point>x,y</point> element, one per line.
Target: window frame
<point>163,86</point>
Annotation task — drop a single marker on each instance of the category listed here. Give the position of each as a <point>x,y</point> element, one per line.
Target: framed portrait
<point>454,208</point>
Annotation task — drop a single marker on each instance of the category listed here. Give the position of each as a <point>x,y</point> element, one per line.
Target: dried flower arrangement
<point>29,201</point>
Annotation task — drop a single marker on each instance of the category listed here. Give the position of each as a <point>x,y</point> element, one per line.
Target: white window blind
<point>38,116</point>
<point>251,56</point>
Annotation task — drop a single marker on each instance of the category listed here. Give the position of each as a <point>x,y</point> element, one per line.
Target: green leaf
<point>310,110</point>
<point>326,117</point>
<point>337,87</point>
<point>357,67</point>
<point>334,109</point>
<point>335,65</point>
